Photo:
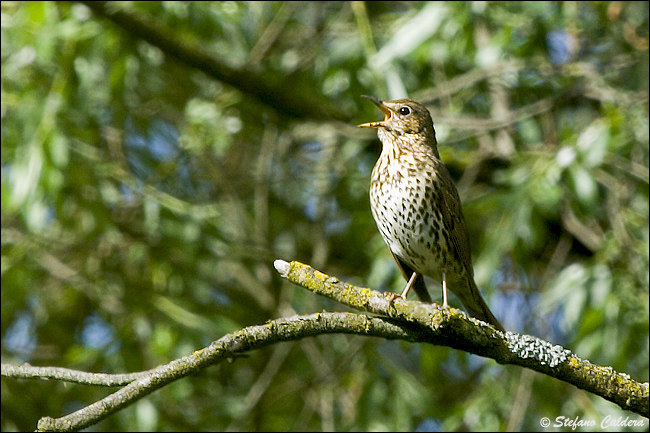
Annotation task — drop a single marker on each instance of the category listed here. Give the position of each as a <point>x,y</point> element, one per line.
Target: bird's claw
<point>392,296</point>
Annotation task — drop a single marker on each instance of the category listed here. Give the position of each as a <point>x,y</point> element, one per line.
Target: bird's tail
<point>476,306</point>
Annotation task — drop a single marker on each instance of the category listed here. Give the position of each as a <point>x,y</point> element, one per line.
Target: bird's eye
<point>404,111</point>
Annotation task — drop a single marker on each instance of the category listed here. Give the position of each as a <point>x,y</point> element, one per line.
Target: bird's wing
<point>452,213</point>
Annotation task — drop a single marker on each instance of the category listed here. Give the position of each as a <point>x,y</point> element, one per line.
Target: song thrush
<point>417,208</point>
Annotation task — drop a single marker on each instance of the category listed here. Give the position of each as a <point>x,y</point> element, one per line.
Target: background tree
<point>157,157</point>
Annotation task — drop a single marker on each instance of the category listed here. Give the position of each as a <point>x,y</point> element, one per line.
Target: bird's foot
<point>392,296</point>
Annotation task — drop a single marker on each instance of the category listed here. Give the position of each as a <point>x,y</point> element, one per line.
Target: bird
<point>417,208</point>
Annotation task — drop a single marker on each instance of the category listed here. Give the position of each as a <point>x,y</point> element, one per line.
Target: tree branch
<point>27,371</point>
<point>450,327</point>
<point>231,346</point>
<point>404,320</point>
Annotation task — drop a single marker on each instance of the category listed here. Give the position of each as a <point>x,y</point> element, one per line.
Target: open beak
<point>388,114</point>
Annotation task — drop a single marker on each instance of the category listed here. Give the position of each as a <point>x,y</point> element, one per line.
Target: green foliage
<point>144,201</point>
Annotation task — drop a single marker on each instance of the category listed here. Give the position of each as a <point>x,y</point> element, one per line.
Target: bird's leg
<point>414,275</point>
<point>393,296</point>
<point>444,290</point>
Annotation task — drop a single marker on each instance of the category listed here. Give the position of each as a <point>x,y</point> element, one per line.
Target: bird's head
<point>404,120</point>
